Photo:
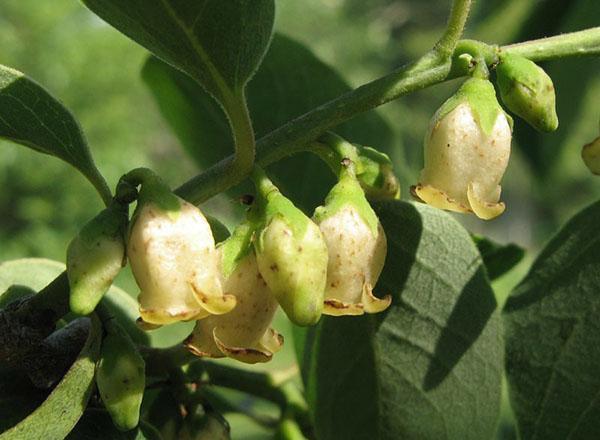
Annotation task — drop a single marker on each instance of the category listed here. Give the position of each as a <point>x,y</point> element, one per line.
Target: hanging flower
<point>357,249</point>
<point>173,258</point>
<point>466,153</point>
<point>244,333</point>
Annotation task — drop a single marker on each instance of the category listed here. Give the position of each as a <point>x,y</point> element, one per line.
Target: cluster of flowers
<point>467,146</point>
<point>277,257</point>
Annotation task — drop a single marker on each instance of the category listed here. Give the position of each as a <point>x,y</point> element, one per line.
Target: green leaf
<point>96,424</point>
<point>290,82</point>
<point>59,412</point>
<point>30,116</point>
<point>498,258</point>
<point>219,44</point>
<point>430,367</point>
<point>552,333</point>
<point>36,273</point>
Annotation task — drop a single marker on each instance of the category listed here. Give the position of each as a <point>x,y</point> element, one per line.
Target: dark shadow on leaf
<point>469,317</point>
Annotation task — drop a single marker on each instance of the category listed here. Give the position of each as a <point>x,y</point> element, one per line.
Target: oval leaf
<point>36,273</point>
<point>290,82</point>
<point>59,413</point>
<point>218,43</point>
<point>552,331</point>
<point>430,367</point>
<point>30,116</point>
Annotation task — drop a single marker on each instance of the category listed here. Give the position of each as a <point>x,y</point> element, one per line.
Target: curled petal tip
<point>484,210</point>
<point>146,326</point>
<point>215,304</point>
<point>371,303</point>
<point>437,198</point>
<point>272,341</point>
<point>248,355</point>
<point>333,307</point>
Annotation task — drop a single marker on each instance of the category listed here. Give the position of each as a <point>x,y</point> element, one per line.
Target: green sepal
<point>95,257</point>
<point>479,93</point>
<point>120,377</point>
<point>527,91</point>
<point>374,171</point>
<point>348,192</point>
<point>218,229</point>
<point>236,247</point>
<point>153,190</point>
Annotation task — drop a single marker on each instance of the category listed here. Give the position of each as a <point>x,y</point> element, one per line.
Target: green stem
<point>582,43</point>
<point>454,29</point>
<point>232,170</point>
<point>294,136</point>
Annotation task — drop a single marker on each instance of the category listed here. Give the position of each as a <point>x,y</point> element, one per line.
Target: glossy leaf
<point>290,82</point>
<point>552,332</point>
<point>30,116</point>
<point>430,367</point>
<point>59,412</point>
<point>36,273</point>
<point>498,258</point>
<point>219,44</point>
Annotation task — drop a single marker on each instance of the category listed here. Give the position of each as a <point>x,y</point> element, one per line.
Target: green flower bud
<point>291,255</point>
<point>591,156</point>
<point>357,248</point>
<point>173,258</point>
<point>527,91</point>
<point>120,377</point>
<point>375,174</point>
<point>244,333</point>
<point>466,153</point>
<point>95,257</point>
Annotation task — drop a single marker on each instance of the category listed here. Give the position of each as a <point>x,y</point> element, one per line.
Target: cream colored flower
<point>244,333</point>
<point>175,263</point>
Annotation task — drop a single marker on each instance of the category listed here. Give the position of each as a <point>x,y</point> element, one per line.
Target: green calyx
<point>271,204</point>
<point>479,93</point>
<point>374,171</point>
<point>153,190</point>
<point>348,192</point>
<point>236,247</point>
<point>527,91</point>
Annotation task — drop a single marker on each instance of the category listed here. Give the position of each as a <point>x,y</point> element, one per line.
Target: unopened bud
<point>527,91</point>
<point>95,257</point>
<point>292,256</point>
<point>591,156</point>
<point>121,377</point>
<point>375,174</point>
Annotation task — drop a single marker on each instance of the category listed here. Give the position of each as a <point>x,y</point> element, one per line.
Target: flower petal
<point>248,355</point>
<point>482,209</point>
<point>437,198</point>
<point>371,303</point>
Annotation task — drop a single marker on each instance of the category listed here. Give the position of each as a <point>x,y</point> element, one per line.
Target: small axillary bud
<point>120,377</point>
<point>95,257</point>
<point>173,258</point>
<point>357,249</point>
<point>527,91</point>
<point>244,333</point>
<point>591,156</point>
<point>291,254</point>
<point>466,152</point>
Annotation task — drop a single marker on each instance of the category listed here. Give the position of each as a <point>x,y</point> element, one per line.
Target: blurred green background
<point>95,70</point>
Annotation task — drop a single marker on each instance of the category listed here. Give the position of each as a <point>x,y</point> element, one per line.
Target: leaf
<point>552,333</point>
<point>30,116</point>
<point>290,82</point>
<point>498,258</point>
<point>430,367</point>
<point>36,273</point>
<point>219,44</point>
<point>97,424</point>
<point>59,413</point>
